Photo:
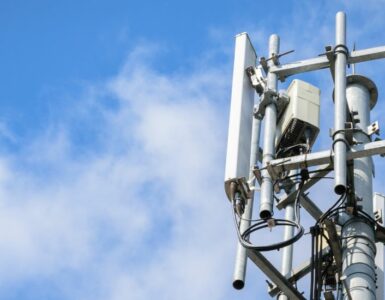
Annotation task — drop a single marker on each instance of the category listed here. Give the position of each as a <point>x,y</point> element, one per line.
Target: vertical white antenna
<point>240,148</point>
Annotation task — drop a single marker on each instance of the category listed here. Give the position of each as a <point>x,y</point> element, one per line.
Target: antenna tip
<point>340,189</point>
<point>238,284</point>
<point>265,214</point>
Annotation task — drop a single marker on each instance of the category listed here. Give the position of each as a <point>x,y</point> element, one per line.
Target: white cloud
<point>144,215</point>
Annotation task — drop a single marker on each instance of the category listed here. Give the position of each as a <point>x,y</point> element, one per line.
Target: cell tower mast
<point>347,240</point>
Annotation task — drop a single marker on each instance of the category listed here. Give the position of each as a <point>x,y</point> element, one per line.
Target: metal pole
<point>339,145</point>
<point>287,252</point>
<point>241,255</point>
<point>359,249</point>
<point>266,204</point>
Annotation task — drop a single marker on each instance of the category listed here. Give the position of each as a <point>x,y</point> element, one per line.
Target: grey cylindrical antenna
<point>266,204</point>
<point>241,255</point>
<point>339,141</point>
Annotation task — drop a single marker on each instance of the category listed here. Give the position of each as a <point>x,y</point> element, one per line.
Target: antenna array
<point>346,237</point>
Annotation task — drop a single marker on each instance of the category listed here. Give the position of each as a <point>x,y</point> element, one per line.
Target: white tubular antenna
<point>241,111</point>
<point>239,145</point>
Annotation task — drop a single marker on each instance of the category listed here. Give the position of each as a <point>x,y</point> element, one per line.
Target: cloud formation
<point>138,213</point>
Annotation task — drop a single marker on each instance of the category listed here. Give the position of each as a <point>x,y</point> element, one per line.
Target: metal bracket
<point>268,97</point>
<point>373,128</point>
<point>281,100</point>
<point>257,80</point>
<point>355,119</point>
<point>258,175</point>
<point>242,188</point>
<point>331,58</point>
<point>275,58</point>
<point>378,216</point>
<point>349,130</point>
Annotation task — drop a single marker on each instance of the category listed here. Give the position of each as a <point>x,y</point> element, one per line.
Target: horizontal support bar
<point>323,62</point>
<point>274,275</point>
<point>366,54</point>
<point>277,166</point>
<point>301,66</point>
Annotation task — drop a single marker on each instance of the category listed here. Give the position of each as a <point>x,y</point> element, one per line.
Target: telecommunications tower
<point>345,257</point>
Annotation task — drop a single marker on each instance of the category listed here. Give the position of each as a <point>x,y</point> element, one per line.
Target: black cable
<point>312,265</point>
<point>330,263</point>
<point>244,237</point>
<point>262,223</point>
<point>319,268</point>
<point>316,268</point>
<point>330,210</point>
<point>316,280</point>
<point>366,216</point>
<point>286,149</point>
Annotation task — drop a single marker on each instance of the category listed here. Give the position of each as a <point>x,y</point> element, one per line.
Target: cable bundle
<point>244,238</point>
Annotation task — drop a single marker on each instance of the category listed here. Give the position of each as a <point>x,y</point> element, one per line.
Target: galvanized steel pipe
<point>287,252</point>
<point>241,255</point>
<point>339,142</point>
<point>266,204</point>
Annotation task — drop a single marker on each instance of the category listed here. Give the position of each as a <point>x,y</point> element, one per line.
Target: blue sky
<point>113,128</point>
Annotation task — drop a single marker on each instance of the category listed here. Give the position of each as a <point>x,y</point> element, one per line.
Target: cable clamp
<point>340,140</point>
<point>341,49</point>
<point>271,223</point>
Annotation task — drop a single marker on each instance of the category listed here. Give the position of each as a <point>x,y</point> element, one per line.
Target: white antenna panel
<point>241,111</point>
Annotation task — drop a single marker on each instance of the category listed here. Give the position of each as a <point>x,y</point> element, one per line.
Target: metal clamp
<point>340,48</point>
<point>348,135</point>
<point>242,187</point>
<point>257,80</point>
<point>280,100</point>
<point>268,97</point>
<point>373,128</point>
<point>275,58</point>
